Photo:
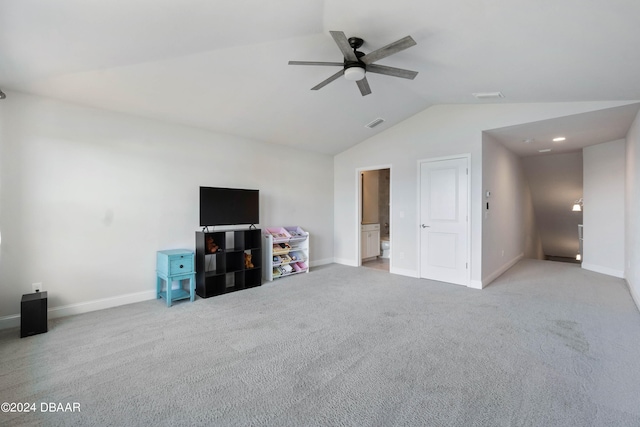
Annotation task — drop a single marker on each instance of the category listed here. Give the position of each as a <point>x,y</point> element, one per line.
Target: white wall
<point>508,227</point>
<point>87,197</point>
<point>632,210</point>
<point>533,242</point>
<point>442,130</point>
<point>603,213</point>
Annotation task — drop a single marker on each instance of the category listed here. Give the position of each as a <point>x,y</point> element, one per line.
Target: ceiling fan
<point>356,64</point>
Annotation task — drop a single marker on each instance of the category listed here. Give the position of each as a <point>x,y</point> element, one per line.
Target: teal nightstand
<point>172,265</point>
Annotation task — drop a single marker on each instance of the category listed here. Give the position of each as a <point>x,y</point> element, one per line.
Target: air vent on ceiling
<point>374,123</point>
<point>488,95</point>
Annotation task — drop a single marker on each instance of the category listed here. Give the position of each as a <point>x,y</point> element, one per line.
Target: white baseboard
<point>13,321</point>
<point>393,270</point>
<point>604,270</point>
<point>320,262</point>
<point>404,272</point>
<point>345,261</point>
<point>475,284</point>
<point>493,276</point>
<point>634,294</point>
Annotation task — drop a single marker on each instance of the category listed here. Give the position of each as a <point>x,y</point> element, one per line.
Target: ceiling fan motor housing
<point>355,64</point>
<point>355,42</point>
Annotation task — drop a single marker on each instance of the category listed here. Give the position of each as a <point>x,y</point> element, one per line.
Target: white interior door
<point>444,239</point>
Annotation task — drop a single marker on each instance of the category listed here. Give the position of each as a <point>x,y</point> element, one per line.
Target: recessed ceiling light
<point>488,95</point>
<point>559,139</point>
<point>545,150</point>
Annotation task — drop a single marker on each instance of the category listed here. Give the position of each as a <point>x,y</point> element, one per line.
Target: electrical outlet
<point>37,287</point>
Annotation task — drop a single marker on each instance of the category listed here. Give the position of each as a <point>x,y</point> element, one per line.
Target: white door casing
<point>444,220</point>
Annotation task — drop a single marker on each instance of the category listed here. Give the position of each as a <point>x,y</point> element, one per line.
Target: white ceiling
<point>222,65</point>
<point>580,130</point>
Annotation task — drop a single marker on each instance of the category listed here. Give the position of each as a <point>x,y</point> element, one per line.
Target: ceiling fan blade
<point>343,44</point>
<point>329,80</point>
<point>392,71</point>
<point>363,85</point>
<point>388,50</point>
<point>315,63</point>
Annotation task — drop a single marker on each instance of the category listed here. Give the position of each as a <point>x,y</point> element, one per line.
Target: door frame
<point>467,157</point>
<point>359,209</point>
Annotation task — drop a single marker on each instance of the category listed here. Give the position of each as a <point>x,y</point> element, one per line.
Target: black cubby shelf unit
<point>221,261</point>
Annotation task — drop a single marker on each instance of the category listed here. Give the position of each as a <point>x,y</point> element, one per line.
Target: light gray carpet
<point>547,344</point>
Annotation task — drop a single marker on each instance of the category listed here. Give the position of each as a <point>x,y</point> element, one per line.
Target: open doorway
<point>556,190</point>
<point>375,218</point>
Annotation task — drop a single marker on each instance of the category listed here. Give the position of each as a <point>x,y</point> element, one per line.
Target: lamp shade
<point>354,73</point>
<point>577,205</point>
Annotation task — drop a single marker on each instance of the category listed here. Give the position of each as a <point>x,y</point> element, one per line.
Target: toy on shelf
<point>296,233</point>
<point>296,256</point>
<point>281,248</point>
<point>212,248</point>
<point>247,261</point>
<point>280,234</point>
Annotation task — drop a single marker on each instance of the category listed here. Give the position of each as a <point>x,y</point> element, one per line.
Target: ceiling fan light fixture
<point>354,73</point>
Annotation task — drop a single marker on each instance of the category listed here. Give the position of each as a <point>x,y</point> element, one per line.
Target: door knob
<point>424,226</point>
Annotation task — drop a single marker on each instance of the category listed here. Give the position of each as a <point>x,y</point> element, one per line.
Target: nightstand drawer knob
<point>181,266</point>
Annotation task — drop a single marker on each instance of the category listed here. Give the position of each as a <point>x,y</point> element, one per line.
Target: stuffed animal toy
<point>247,261</point>
<point>211,245</point>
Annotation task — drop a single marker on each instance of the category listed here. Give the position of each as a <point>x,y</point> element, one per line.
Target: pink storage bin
<point>302,265</point>
<point>279,234</point>
<point>296,233</point>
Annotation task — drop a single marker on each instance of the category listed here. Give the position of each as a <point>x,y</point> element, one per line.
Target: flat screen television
<point>228,206</point>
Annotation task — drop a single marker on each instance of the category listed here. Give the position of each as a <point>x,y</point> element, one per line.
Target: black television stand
<point>228,261</point>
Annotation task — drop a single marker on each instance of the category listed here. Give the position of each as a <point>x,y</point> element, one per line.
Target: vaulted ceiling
<point>222,65</point>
